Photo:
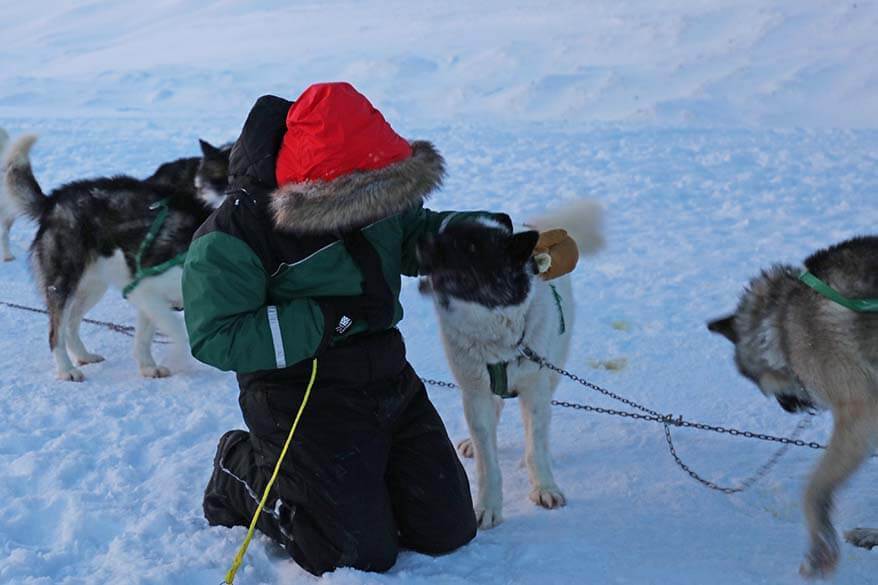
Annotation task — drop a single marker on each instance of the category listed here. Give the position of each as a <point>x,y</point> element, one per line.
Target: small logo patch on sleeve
<point>343,324</point>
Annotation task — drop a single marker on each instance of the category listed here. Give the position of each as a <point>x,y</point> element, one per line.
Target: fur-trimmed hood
<point>358,198</point>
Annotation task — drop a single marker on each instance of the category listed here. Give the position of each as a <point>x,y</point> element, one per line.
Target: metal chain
<point>123,329</point>
<point>664,419</point>
<point>678,421</point>
<point>760,472</point>
<point>668,420</point>
<point>542,362</point>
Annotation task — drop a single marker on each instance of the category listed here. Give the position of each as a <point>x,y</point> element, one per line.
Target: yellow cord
<point>239,558</point>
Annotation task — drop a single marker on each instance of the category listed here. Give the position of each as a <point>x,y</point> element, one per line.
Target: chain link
<point>760,472</point>
<point>645,414</point>
<point>667,421</point>
<point>123,329</point>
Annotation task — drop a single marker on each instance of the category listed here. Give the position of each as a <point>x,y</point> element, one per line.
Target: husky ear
<point>208,149</point>
<point>725,326</point>
<point>521,246</point>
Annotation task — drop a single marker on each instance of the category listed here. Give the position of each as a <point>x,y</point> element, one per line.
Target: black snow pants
<point>370,468</point>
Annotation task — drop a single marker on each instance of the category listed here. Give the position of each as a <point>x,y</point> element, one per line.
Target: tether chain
<point>123,329</point>
<point>667,420</point>
<point>760,472</point>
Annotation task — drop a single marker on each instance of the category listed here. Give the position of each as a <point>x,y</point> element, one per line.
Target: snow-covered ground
<point>720,136</point>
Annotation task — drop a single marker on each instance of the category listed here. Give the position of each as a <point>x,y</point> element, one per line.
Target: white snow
<point>720,136</point>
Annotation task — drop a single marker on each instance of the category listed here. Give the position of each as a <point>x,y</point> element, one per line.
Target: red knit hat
<point>333,130</point>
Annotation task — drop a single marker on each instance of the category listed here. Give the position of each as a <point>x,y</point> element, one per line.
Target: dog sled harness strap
<point>239,557</point>
<point>857,305</point>
<point>140,272</point>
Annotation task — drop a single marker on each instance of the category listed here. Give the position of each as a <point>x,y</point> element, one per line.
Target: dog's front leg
<point>481,417</point>
<point>536,413</point>
<point>852,435</point>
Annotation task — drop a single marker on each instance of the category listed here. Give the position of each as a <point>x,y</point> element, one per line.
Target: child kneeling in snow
<point>304,259</point>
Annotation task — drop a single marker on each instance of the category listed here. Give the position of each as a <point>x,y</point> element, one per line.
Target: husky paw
<point>71,375</point>
<point>89,358</point>
<point>488,516</point>
<point>466,449</point>
<point>548,497</point>
<point>821,559</point>
<point>862,537</point>
<point>155,372</point>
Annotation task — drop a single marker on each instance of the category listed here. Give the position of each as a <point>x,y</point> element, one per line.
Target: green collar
<point>857,305</point>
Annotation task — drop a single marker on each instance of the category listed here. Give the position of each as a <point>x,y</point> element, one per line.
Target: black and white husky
<point>89,234</point>
<point>491,302</point>
<point>205,177</point>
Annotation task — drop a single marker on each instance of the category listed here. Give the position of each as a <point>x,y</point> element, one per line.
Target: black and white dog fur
<point>205,176</point>
<point>808,352</point>
<point>89,233</point>
<point>491,302</point>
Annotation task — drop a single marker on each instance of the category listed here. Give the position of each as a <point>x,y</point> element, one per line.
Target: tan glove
<point>556,253</point>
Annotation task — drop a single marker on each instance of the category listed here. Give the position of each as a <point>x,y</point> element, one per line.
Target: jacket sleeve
<point>420,222</point>
<point>232,323</point>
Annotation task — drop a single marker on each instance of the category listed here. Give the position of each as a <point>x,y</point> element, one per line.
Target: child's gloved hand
<point>556,253</point>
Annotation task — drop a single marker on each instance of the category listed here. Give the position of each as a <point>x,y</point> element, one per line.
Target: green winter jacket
<point>277,275</point>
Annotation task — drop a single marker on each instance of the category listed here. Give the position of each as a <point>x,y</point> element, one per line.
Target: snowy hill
<point>708,63</point>
<point>720,136</point>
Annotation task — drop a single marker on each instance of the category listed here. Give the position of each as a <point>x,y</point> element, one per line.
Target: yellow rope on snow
<point>239,558</point>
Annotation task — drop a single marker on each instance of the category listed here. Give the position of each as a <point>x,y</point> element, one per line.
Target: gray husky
<point>89,236</point>
<point>808,352</point>
<point>491,303</point>
<point>7,210</point>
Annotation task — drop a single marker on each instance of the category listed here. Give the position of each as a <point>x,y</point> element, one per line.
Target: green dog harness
<point>140,272</point>
<point>857,305</point>
<point>497,372</point>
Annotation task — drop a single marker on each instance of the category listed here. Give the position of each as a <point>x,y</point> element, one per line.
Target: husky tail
<point>22,188</point>
<point>583,220</point>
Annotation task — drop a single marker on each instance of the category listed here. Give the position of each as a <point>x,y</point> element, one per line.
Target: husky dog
<point>7,210</point>
<point>810,352</point>
<point>205,177</point>
<point>89,234</point>
<point>491,303</point>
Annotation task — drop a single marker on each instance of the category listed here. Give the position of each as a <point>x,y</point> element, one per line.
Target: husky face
<point>204,177</point>
<point>212,176</point>
<point>755,331</point>
<point>479,262</point>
